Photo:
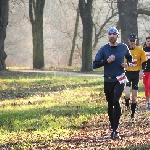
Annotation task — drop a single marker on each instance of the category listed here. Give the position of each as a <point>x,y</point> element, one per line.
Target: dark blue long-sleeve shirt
<point>114,68</point>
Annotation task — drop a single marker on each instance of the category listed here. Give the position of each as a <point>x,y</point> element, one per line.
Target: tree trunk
<point>74,38</point>
<point>3,25</point>
<point>128,15</point>
<point>85,9</point>
<point>36,8</point>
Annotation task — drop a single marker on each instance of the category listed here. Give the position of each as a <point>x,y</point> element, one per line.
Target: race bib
<point>122,78</point>
<point>133,63</point>
<point>148,55</point>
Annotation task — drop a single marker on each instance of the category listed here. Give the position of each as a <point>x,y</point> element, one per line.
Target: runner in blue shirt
<point>111,56</point>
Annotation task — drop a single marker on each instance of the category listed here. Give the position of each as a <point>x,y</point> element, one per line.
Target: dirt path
<point>60,73</point>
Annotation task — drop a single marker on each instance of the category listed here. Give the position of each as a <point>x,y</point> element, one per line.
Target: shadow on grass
<point>37,114</point>
<point>17,90</point>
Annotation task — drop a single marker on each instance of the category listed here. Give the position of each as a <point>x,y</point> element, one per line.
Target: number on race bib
<point>122,78</point>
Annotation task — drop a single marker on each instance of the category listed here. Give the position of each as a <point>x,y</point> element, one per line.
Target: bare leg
<point>127,92</point>
<point>127,96</point>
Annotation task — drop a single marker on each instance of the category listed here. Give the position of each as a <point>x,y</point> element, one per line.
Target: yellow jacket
<point>138,57</point>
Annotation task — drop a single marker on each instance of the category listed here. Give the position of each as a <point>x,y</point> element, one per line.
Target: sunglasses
<point>112,33</point>
<point>132,40</point>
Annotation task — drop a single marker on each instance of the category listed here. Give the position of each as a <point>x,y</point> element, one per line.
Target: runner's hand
<point>111,58</point>
<point>124,65</point>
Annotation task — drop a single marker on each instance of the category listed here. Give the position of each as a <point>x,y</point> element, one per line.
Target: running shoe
<point>148,107</point>
<point>114,135</point>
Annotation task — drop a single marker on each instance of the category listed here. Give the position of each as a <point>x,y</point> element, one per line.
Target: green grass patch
<point>37,106</point>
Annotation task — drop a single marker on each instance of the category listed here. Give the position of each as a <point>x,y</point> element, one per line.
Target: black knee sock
<point>127,101</point>
<point>133,106</point>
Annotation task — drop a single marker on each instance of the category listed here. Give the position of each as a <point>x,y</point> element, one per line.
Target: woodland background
<point>63,30</point>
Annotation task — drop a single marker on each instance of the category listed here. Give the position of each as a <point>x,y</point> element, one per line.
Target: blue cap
<point>113,30</point>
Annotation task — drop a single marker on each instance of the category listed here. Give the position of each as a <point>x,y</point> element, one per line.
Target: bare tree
<point>74,38</point>
<point>3,26</point>
<point>36,8</point>
<point>99,27</point>
<point>85,8</point>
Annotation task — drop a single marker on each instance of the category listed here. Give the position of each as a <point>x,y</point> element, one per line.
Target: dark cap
<point>148,37</point>
<point>132,36</point>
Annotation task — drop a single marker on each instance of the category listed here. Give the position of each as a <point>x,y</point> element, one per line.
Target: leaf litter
<point>95,135</point>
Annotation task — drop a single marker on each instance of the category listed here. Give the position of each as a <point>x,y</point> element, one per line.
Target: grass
<point>35,106</point>
<point>39,108</point>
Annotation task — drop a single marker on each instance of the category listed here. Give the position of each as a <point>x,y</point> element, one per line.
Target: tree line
<point>127,11</point>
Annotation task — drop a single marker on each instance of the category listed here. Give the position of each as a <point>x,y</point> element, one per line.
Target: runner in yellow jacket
<point>133,71</point>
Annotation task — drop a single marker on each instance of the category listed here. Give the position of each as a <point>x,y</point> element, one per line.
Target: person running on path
<point>111,56</point>
<point>133,71</point>
<point>146,72</point>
